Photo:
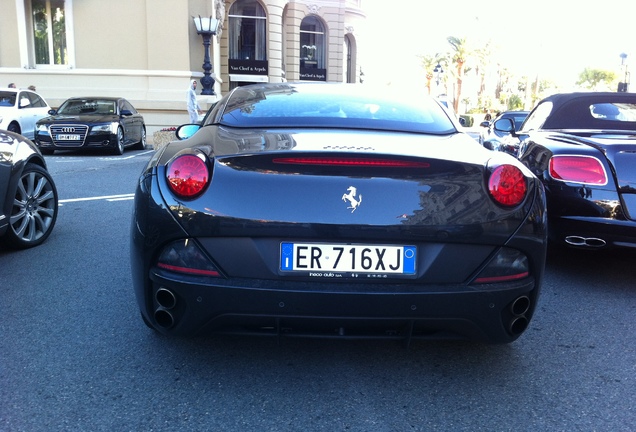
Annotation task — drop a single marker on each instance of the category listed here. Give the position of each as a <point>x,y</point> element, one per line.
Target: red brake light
<point>507,185</point>
<point>578,169</point>
<point>188,175</point>
<point>349,161</point>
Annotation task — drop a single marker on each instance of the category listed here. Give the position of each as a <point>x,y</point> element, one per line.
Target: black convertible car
<point>336,210</point>
<point>493,139</point>
<point>583,148</point>
<point>27,193</point>
<point>92,122</point>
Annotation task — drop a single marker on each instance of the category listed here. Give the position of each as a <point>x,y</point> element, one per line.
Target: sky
<point>556,39</point>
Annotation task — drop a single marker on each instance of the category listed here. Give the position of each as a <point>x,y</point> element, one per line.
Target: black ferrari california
<point>92,123</point>
<point>27,193</point>
<point>336,210</point>
<point>582,146</point>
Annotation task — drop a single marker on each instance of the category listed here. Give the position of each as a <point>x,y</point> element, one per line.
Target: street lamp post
<point>438,73</point>
<point>624,86</point>
<point>206,27</point>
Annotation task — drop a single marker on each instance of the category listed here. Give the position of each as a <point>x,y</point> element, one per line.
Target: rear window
<point>614,111</point>
<point>7,99</point>
<point>334,107</point>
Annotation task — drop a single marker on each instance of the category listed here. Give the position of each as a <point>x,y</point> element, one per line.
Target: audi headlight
<point>107,127</point>
<point>42,128</point>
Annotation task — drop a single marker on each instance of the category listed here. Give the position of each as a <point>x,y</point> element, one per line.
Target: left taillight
<point>507,185</point>
<point>184,256</point>
<point>188,175</point>
<point>578,169</point>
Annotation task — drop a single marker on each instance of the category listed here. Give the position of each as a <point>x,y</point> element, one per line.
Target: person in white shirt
<point>193,106</point>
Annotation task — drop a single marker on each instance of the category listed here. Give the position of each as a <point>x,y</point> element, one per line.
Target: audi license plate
<point>68,137</point>
<point>333,260</point>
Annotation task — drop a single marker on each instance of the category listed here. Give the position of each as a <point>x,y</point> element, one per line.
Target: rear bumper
<point>497,313</point>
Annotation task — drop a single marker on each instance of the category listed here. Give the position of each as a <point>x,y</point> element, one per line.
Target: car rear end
<point>338,235</point>
<point>591,180</point>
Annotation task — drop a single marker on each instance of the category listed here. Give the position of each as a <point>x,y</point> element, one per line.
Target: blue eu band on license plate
<point>348,258</point>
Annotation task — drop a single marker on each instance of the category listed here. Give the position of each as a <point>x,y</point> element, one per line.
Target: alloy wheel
<point>119,149</point>
<point>34,208</point>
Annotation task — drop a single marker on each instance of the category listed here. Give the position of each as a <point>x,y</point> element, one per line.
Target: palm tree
<point>428,64</point>
<point>458,57</point>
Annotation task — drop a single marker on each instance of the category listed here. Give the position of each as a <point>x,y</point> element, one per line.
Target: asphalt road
<point>76,356</point>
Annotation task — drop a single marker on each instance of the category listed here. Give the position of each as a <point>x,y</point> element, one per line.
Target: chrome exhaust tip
<point>518,325</point>
<point>591,242</point>
<point>165,298</point>
<point>520,306</point>
<point>164,318</point>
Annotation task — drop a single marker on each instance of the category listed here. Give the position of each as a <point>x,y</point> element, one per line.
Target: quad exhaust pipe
<point>166,301</point>
<point>591,242</point>
<point>518,309</point>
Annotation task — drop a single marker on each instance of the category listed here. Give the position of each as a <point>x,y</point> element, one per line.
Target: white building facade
<point>148,50</point>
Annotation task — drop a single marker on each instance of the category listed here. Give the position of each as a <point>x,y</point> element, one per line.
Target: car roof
<point>514,112</point>
<point>95,97</point>
<point>560,98</point>
<point>16,90</point>
<point>572,110</point>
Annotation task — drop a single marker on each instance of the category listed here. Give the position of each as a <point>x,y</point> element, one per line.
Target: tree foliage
<point>596,79</point>
<point>493,86</point>
<point>458,57</point>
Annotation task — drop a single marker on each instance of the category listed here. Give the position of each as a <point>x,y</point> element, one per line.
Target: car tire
<point>14,127</point>
<point>119,146</point>
<point>141,145</point>
<point>34,208</point>
<point>47,152</point>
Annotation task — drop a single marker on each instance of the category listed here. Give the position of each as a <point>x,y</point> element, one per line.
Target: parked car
<point>336,210</point>
<point>493,139</point>
<point>20,110</point>
<point>582,146</point>
<point>92,123</point>
<point>28,196</point>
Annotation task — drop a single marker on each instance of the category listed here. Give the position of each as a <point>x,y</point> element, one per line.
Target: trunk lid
<point>262,185</point>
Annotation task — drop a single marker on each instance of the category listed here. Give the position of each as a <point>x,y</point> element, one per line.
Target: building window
<point>312,43</point>
<point>312,50</point>
<point>347,73</point>
<point>49,32</point>
<point>247,35</point>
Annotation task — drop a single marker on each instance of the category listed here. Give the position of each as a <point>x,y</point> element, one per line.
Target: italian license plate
<point>320,259</point>
<point>63,137</point>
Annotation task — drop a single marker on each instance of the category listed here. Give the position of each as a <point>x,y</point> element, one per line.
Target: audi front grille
<point>68,135</point>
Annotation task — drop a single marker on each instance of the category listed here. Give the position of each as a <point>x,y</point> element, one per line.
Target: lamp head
<point>206,25</point>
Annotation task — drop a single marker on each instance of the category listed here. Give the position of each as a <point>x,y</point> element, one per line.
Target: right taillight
<point>578,169</point>
<point>188,175</point>
<point>507,185</point>
<point>506,266</point>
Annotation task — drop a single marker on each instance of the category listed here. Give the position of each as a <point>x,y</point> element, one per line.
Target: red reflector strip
<point>330,161</point>
<point>187,270</point>
<point>502,278</point>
